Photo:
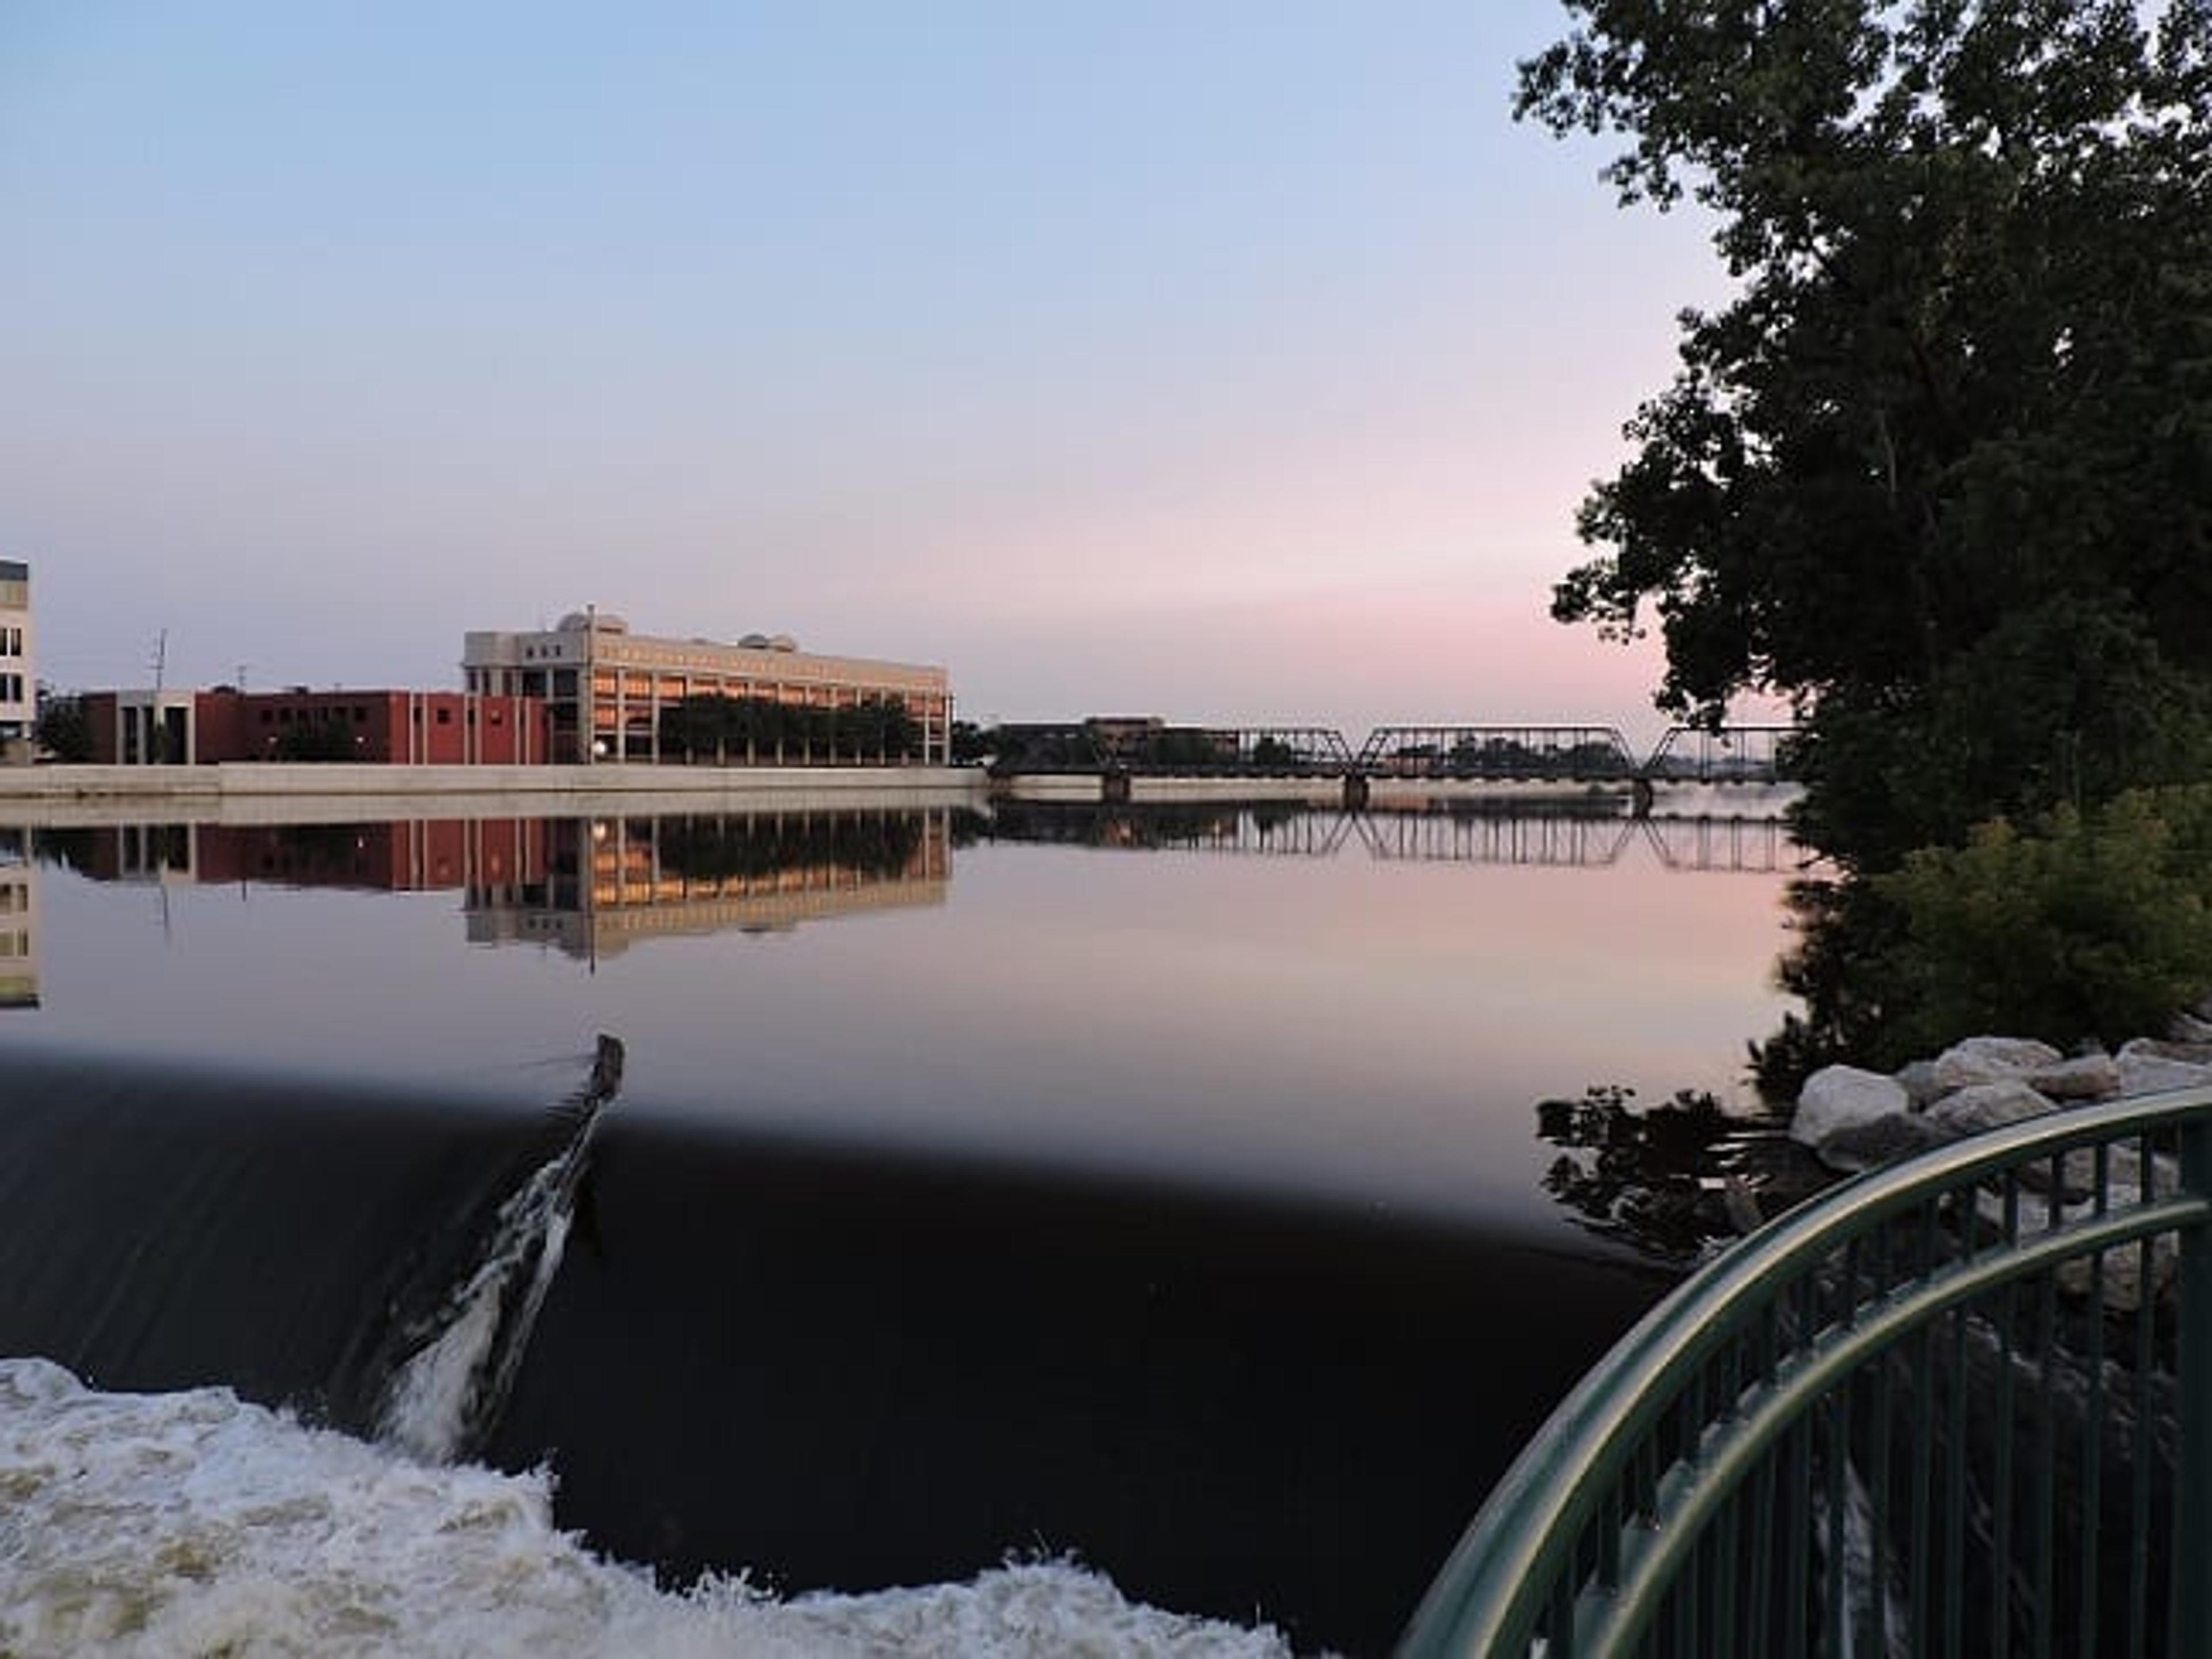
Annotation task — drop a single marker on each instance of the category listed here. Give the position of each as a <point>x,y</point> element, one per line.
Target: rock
<point>1987,1105</point>
<point>2190,1054</point>
<point>2190,1028</point>
<point>2122,1274</point>
<point>1880,1140</point>
<point>1919,1084</point>
<point>2150,1067</point>
<point>2121,1267</point>
<point>1992,1060</point>
<point>2124,1176</point>
<point>1837,1096</point>
<point>2085,1077</point>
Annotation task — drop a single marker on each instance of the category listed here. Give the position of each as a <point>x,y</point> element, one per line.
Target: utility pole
<point>154,745</point>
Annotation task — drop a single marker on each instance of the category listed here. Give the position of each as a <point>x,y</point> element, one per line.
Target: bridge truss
<point>1505,754</point>
<point>1517,753</point>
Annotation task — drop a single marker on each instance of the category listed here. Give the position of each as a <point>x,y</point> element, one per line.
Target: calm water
<point>1159,1189</point>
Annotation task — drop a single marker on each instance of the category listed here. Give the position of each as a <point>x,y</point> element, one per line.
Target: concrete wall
<point>268,793</point>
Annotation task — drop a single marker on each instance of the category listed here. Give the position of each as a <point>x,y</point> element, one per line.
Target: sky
<point>1241,361</point>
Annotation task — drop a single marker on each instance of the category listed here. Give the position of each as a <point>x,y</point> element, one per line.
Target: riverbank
<point>259,792</point>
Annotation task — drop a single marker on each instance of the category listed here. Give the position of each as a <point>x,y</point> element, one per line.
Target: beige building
<point>19,687</point>
<point>19,922</point>
<point>607,690</point>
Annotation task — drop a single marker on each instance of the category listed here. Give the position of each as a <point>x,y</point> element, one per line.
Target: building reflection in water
<point>611,883</point>
<point>19,921</point>
<point>589,887</point>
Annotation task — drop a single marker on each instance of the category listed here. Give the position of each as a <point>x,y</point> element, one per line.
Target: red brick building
<point>384,728</point>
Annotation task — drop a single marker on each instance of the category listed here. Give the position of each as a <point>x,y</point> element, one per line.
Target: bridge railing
<point>1961,1404</point>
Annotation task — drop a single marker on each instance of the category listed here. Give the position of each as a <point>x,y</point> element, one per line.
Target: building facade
<point>19,680</point>
<point>381,728</point>
<point>610,694</point>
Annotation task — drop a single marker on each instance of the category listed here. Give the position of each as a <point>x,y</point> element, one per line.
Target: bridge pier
<point>1355,792</point>
<point>1114,785</point>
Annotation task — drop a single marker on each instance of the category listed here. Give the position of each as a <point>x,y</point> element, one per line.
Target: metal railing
<point>1960,1405</point>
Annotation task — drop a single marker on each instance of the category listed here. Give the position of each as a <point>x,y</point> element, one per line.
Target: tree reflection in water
<point>1670,1181</point>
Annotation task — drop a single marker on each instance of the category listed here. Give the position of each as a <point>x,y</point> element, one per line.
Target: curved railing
<point>1962,1404</point>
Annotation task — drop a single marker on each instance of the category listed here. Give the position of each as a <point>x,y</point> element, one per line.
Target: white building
<point>607,689</point>
<point>19,682</point>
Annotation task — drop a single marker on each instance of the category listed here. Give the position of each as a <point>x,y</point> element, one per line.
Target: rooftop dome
<point>577,622</point>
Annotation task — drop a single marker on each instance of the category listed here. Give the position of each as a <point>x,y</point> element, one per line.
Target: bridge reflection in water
<point>1577,836</point>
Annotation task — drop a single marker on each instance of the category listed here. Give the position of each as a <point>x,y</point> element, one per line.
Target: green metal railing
<point>1962,1405</point>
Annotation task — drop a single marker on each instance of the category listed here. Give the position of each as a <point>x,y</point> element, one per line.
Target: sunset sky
<point>1231,359</point>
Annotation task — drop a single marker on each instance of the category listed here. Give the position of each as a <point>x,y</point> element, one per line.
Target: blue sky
<point>1230,361</point>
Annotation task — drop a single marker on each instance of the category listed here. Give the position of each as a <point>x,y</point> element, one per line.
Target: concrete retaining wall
<point>316,793</point>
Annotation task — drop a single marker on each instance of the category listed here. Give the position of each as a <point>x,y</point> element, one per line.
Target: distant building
<point>140,728</point>
<point>380,728</point>
<point>19,684</point>
<point>608,691</point>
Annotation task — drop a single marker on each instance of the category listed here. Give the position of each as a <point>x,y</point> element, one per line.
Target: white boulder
<point>2085,1077</point>
<point>1842,1096</point>
<point>1992,1060</point>
<point>1918,1081</point>
<point>1987,1105</point>
<point>2150,1067</point>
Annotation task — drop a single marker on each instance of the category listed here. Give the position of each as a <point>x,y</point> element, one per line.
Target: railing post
<point>2191,1568</point>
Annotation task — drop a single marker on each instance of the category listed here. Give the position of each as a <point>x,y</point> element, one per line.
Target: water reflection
<point>588,887</point>
<point>19,922</point>
<point>1596,832</point>
<point>610,882</point>
<point>1280,998</point>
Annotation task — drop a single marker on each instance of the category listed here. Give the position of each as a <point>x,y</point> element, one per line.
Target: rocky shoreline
<point>1852,1120</point>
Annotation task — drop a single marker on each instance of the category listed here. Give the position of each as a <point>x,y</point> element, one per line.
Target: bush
<point>2080,927</point>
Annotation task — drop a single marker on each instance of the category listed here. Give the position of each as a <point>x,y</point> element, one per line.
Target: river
<point>1065,1229</point>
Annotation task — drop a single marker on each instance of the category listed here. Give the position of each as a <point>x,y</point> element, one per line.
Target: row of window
<point>11,641</point>
<point>285,716</point>
<point>359,714</point>
<point>11,688</point>
<point>495,715</point>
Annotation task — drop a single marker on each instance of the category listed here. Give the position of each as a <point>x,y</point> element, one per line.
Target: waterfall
<point>444,1399</point>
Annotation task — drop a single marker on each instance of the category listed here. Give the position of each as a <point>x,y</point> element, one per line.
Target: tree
<point>1940,474</point>
<point>64,730</point>
<point>325,737</point>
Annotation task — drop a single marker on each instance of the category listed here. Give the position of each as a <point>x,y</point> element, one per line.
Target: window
<point>445,717</point>
<point>267,717</point>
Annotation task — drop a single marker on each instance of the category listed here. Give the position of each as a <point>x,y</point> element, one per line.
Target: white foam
<point>154,1525</point>
<point>444,1398</point>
